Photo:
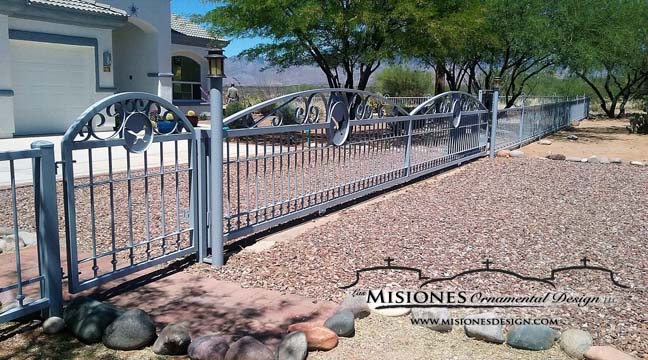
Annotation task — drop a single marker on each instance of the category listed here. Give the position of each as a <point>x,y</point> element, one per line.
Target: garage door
<point>53,85</point>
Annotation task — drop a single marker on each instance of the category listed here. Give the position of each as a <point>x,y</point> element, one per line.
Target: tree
<point>605,43</point>
<point>348,40</point>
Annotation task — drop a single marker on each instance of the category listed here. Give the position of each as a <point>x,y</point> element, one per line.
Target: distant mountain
<point>248,73</point>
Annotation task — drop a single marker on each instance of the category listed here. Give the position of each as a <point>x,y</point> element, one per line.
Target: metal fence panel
<point>37,286</point>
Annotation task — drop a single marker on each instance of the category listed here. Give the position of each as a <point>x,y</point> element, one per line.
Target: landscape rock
<point>133,330</point>
<point>320,338</point>
<point>390,312</point>
<point>211,347</point>
<point>606,353</point>
<point>249,348</point>
<point>5,231</point>
<point>531,337</point>
<point>488,333</point>
<point>637,163</point>
<point>572,137</point>
<point>356,304</point>
<point>517,154</point>
<point>53,325</point>
<point>575,159</point>
<point>439,314</point>
<point>594,160</point>
<point>616,160</point>
<point>604,160</point>
<point>88,318</point>
<point>575,342</point>
<point>545,142</point>
<point>503,153</point>
<point>173,340</point>
<point>293,346</point>
<point>342,323</point>
<point>556,157</point>
<point>303,326</point>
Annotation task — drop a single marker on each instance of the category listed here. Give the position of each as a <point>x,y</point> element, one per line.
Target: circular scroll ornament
<point>138,133</point>
<point>338,119</point>
<point>456,113</point>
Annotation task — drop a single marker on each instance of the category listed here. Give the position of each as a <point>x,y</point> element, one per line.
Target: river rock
<point>133,330</point>
<point>575,342</point>
<point>606,353</point>
<point>88,318</point>
<point>594,160</point>
<point>173,340</point>
<point>616,160</point>
<point>425,316</point>
<point>293,346</point>
<point>211,347</point>
<point>342,323</point>
<point>556,157</point>
<point>249,348</point>
<point>575,159</point>
<point>503,153</point>
<point>637,163</point>
<point>604,160</point>
<point>488,333</point>
<point>4,231</point>
<point>53,325</point>
<point>517,154</point>
<point>356,304</point>
<point>531,337</point>
<point>545,142</point>
<point>572,137</point>
<point>320,338</point>
<point>303,326</point>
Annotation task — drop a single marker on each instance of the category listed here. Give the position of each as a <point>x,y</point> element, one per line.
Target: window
<point>186,79</point>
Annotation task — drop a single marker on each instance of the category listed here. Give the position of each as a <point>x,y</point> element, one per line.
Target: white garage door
<point>53,85</point>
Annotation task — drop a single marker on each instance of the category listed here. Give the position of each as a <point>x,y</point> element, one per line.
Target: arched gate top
<point>450,102</point>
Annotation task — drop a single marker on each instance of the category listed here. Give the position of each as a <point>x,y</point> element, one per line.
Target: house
<point>57,57</point>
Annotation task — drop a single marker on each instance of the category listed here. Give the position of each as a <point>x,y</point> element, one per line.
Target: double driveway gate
<point>138,194</point>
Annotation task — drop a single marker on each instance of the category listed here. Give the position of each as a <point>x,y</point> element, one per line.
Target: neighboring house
<point>57,57</point>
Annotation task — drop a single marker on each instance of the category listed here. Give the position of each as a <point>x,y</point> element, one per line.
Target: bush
<point>288,115</point>
<point>402,81</point>
<point>638,124</point>
<point>233,108</point>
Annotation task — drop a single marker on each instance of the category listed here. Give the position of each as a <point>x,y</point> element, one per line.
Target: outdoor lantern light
<point>496,82</point>
<point>107,61</point>
<point>216,61</point>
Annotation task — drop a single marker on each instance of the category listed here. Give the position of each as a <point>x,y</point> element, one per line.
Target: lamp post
<point>495,100</point>
<point>216,61</point>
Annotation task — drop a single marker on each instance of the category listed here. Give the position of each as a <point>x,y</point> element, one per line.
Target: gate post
<point>49,251</point>
<point>216,183</point>
<point>494,120</point>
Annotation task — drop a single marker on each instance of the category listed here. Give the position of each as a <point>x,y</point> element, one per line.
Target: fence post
<point>521,136</point>
<point>408,150</point>
<point>216,194</point>
<point>49,250</point>
<point>494,121</point>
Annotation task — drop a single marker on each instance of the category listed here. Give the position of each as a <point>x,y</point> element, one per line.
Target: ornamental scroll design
<point>134,117</point>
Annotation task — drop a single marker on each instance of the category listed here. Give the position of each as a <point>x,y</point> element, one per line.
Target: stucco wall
<point>135,57</point>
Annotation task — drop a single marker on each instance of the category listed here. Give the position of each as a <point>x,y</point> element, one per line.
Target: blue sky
<point>189,7</point>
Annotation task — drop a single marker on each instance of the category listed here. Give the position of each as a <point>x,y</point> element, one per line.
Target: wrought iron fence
<point>31,276</point>
<point>519,125</point>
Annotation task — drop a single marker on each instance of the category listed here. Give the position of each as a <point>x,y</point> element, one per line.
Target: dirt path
<point>596,137</point>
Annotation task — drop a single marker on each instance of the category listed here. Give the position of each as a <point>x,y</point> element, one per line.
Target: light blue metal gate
<point>129,182</point>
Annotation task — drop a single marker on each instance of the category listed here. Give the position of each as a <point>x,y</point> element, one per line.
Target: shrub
<point>233,108</point>
<point>638,124</point>
<point>402,81</point>
<point>288,115</point>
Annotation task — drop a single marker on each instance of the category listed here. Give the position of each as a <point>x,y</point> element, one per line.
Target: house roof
<point>189,28</point>
<point>82,5</point>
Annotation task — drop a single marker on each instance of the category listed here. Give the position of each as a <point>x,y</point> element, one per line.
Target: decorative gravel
<point>526,215</point>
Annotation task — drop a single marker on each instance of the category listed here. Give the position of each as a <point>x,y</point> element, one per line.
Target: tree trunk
<point>439,79</point>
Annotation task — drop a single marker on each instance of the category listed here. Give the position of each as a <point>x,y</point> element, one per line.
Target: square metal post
<point>495,100</point>
<point>216,167</point>
<point>49,250</point>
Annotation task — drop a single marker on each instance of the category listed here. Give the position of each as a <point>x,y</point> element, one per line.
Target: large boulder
<point>249,348</point>
<point>88,318</point>
<point>133,330</point>
<point>531,337</point>
<point>342,323</point>
<point>211,347</point>
<point>432,318</point>
<point>575,342</point>
<point>293,346</point>
<point>492,333</point>
<point>173,340</point>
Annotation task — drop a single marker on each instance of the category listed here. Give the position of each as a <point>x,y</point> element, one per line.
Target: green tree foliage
<point>402,81</point>
<point>347,39</point>
<point>605,43</point>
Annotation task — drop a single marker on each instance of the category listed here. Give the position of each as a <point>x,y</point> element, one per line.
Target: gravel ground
<point>379,337</point>
<point>527,216</point>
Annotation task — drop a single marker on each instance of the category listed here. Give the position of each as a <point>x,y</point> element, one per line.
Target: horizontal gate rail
<point>37,286</point>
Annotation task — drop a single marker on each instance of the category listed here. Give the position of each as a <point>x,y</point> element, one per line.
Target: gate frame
<point>68,145</point>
